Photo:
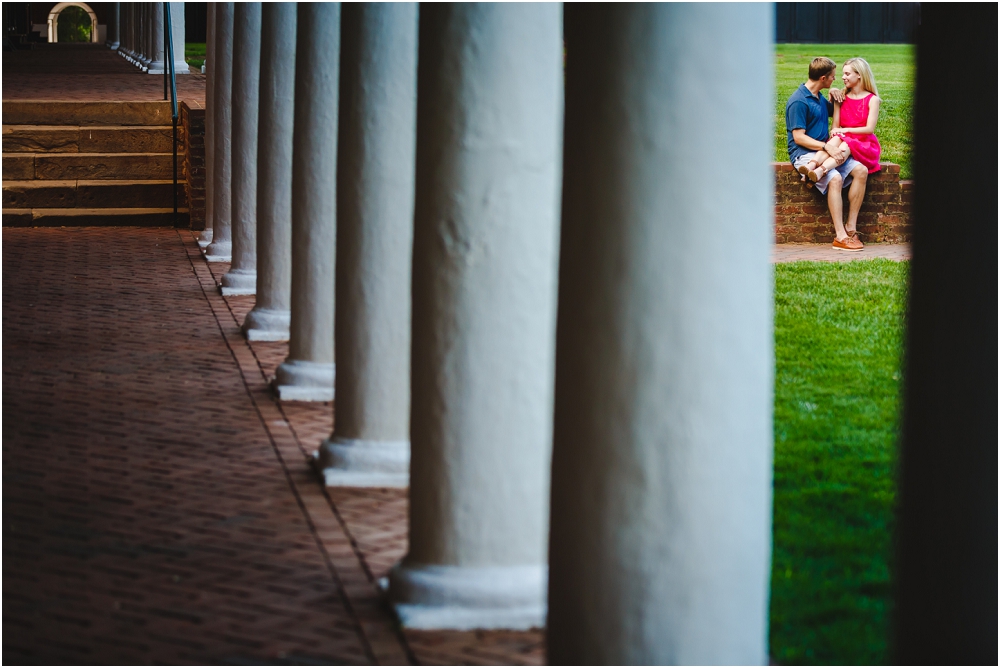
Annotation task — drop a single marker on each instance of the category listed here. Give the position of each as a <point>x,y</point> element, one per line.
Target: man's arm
<point>800,137</point>
<point>836,95</point>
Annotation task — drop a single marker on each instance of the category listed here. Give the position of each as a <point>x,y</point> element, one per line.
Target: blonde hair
<point>860,65</point>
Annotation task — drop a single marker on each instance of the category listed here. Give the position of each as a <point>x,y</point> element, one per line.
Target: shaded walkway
<point>158,506</point>
<point>87,73</point>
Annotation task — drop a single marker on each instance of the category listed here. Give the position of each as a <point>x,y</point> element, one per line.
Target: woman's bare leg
<point>814,162</point>
<point>829,162</point>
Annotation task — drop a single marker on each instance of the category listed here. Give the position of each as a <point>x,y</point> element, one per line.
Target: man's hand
<point>837,95</point>
<point>839,154</point>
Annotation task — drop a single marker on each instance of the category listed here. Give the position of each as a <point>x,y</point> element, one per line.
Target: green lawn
<point>893,66</point>
<point>194,53</point>
<point>838,344</point>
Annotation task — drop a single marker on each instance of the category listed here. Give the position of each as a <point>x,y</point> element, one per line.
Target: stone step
<point>88,139</point>
<point>91,166</point>
<point>49,112</point>
<point>94,217</point>
<point>68,194</point>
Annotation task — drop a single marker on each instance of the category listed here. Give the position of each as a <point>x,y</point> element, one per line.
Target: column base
<point>466,598</point>
<point>239,282</point>
<point>219,251</point>
<point>298,380</point>
<point>205,238</point>
<point>181,67</point>
<point>156,67</point>
<point>351,462</point>
<point>264,324</point>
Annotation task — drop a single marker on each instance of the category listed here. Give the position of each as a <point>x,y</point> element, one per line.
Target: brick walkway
<point>158,503</point>
<point>826,253</point>
<point>88,73</point>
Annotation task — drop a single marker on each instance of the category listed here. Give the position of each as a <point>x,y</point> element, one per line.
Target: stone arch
<point>54,20</point>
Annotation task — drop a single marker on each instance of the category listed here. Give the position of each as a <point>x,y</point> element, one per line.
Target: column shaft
<point>177,22</point>
<point>157,60</point>
<point>375,170</point>
<point>133,17</point>
<point>220,250</point>
<point>307,373</point>
<point>945,570</point>
<point>661,467</point>
<point>269,319</point>
<point>489,119</point>
<point>205,237</point>
<point>126,31</point>
<point>241,279</point>
<point>146,28</point>
<point>113,41</point>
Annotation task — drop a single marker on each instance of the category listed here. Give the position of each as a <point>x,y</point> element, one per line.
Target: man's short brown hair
<point>820,67</point>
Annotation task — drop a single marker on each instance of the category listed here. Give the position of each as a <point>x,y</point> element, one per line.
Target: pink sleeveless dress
<point>864,148</point>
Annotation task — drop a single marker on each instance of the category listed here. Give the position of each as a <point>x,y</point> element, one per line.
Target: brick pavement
<point>374,520</point>
<point>826,253</point>
<point>159,502</point>
<point>88,73</point>
<point>147,515</point>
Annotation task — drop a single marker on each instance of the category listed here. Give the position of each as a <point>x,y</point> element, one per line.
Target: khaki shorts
<point>844,170</point>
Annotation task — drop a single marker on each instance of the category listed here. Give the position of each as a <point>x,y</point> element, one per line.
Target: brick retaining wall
<point>801,214</point>
<point>192,133</point>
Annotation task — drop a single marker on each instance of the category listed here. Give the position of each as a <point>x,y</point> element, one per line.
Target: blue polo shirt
<point>811,113</point>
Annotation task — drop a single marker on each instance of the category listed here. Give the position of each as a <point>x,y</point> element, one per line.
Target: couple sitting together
<point>842,157</point>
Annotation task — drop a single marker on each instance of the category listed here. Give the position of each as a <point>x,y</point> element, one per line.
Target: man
<point>807,115</point>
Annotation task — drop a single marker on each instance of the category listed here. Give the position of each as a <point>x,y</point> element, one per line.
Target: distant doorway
<point>72,22</point>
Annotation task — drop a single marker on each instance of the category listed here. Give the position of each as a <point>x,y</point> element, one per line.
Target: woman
<point>854,122</point>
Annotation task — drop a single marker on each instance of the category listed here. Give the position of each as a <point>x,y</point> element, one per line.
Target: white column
<point>114,26</point>
<point>136,25</point>
<point>370,444</point>
<point>661,467</point>
<point>220,250</point>
<point>130,52</point>
<point>241,279</point>
<point>270,317</point>
<point>125,49</point>
<point>137,33</point>
<point>123,8</point>
<point>177,23</point>
<point>157,50</point>
<point>145,28</point>
<point>307,373</point>
<point>945,607</point>
<point>489,126</point>
<point>205,237</point>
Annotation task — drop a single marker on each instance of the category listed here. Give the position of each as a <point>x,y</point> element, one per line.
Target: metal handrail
<point>168,41</point>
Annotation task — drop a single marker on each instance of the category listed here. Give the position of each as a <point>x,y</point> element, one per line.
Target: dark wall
<point>40,10</point>
<point>196,22</point>
<point>846,22</point>
<point>195,16</point>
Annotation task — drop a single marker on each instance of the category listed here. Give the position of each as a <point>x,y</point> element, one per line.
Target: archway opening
<point>72,22</point>
<point>73,25</point>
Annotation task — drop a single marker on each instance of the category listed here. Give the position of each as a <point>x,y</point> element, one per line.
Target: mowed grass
<point>894,68</point>
<point>194,53</point>
<point>838,345</point>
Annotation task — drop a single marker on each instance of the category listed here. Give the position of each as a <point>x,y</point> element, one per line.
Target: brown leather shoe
<point>848,244</point>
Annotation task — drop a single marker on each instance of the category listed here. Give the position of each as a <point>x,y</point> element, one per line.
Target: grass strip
<point>838,345</point>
